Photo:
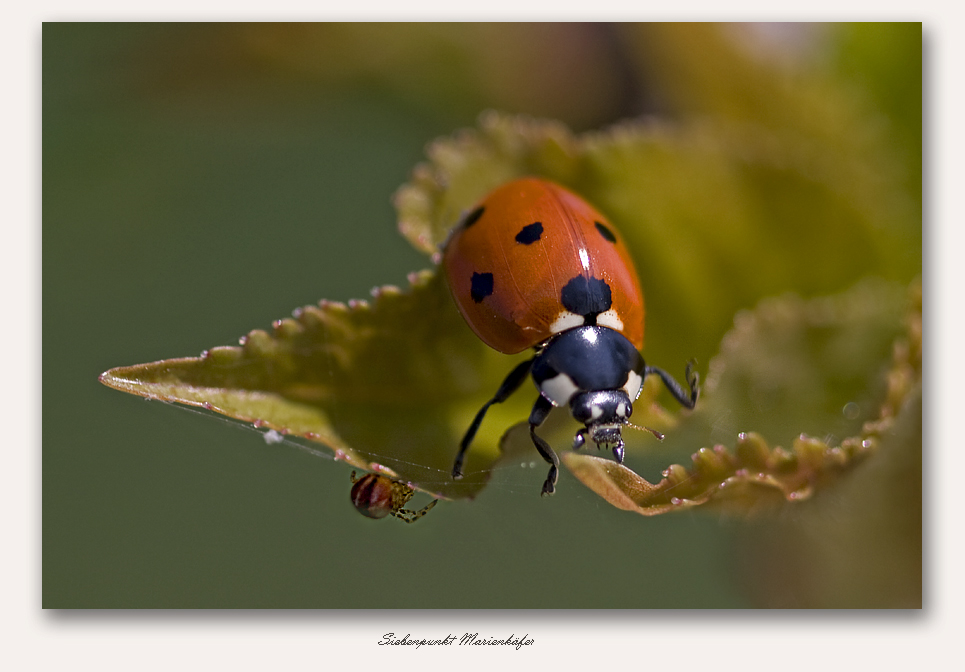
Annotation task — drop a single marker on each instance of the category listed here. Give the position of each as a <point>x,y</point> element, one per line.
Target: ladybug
<point>535,266</point>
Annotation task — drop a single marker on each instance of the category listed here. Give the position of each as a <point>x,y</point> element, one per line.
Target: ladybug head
<point>604,412</point>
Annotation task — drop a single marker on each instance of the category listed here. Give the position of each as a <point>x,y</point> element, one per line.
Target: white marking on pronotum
<point>633,385</point>
<point>610,319</point>
<point>559,389</point>
<point>566,320</point>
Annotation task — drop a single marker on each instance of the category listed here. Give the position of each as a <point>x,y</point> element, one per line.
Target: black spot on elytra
<point>473,217</point>
<point>482,286</point>
<point>530,233</point>
<point>605,232</point>
<point>587,297</point>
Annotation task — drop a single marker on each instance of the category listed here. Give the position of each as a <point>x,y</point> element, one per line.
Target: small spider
<point>376,496</point>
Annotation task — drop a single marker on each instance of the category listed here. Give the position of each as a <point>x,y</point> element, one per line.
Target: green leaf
<point>714,218</point>
<point>798,360</point>
<point>374,382</point>
<point>717,215</point>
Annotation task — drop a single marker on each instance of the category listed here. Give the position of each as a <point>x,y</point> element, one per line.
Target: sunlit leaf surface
<point>370,381</point>
<point>787,353</point>
<point>715,215</point>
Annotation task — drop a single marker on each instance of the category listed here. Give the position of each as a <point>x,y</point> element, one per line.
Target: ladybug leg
<point>580,439</point>
<point>541,409</point>
<point>510,385</point>
<point>686,399</point>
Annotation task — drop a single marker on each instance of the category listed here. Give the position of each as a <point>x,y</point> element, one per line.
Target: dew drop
<point>271,436</point>
<point>851,410</point>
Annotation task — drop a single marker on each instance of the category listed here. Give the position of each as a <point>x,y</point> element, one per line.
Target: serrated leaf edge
<point>795,473</point>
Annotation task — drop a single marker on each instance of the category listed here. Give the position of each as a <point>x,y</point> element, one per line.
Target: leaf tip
<point>111,379</point>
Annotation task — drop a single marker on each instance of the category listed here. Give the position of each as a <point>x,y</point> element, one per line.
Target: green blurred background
<point>202,180</point>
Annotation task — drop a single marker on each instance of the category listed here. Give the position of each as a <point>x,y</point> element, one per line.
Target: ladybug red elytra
<point>534,265</point>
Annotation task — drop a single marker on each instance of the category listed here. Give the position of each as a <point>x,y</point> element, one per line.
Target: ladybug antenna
<point>657,434</point>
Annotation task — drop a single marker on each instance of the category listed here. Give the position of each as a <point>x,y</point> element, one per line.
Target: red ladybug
<point>534,265</point>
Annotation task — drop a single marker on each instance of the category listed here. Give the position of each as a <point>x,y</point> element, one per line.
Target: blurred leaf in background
<point>775,159</point>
